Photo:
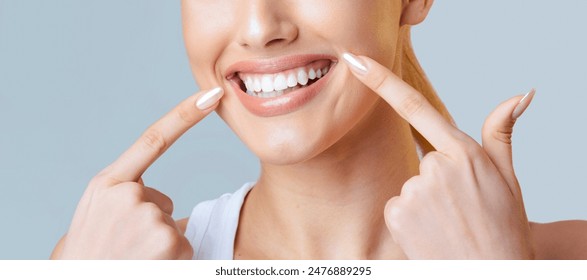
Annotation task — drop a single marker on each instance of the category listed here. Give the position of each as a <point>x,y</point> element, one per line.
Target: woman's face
<point>286,94</point>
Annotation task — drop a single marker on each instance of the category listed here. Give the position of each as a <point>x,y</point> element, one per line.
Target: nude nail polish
<point>355,63</point>
<point>523,104</point>
<point>209,98</point>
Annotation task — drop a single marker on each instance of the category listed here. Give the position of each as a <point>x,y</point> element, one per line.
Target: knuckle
<point>131,192</point>
<point>410,188</point>
<point>431,162</point>
<point>394,216</point>
<point>152,212</point>
<point>102,179</point>
<point>169,236</point>
<point>502,135</point>
<point>186,114</point>
<point>411,105</point>
<point>163,201</point>
<point>154,140</point>
<point>471,151</point>
<point>466,147</point>
<point>171,242</point>
<point>500,131</point>
<point>379,80</point>
<point>99,187</point>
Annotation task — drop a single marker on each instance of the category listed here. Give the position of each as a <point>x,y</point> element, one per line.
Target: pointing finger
<point>161,135</point>
<point>405,100</point>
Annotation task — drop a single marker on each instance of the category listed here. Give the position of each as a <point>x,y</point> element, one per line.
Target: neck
<point>332,205</point>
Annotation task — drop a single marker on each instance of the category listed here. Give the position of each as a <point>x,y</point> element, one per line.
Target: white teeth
<point>273,85</point>
<point>267,83</point>
<point>280,83</point>
<point>312,74</point>
<point>302,77</point>
<point>291,80</point>
<point>248,83</point>
<point>257,84</point>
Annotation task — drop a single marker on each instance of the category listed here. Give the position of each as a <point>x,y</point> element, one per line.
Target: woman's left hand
<point>466,202</point>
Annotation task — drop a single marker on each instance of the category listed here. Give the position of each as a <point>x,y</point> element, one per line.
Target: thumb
<point>497,135</point>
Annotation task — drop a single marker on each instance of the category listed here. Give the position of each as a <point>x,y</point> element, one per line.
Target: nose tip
<point>265,25</point>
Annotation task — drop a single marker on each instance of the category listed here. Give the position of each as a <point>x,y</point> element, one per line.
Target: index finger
<point>131,165</point>
<point>405,100</point>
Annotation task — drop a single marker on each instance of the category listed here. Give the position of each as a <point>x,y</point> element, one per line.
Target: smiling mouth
<point>270,85</point>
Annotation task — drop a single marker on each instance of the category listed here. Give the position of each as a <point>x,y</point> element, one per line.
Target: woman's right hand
<point>118,217</point>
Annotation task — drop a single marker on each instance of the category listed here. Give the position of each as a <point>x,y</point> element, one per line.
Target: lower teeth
<point>279,92</point>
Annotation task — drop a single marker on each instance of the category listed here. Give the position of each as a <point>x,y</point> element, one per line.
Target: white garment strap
<point>212,226</point>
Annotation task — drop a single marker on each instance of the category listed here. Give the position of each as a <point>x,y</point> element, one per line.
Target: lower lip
<point>287,103</point>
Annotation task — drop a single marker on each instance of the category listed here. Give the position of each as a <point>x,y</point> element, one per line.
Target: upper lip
<point>274,65</point>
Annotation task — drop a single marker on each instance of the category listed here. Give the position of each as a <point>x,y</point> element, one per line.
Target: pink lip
<point>289,102</point>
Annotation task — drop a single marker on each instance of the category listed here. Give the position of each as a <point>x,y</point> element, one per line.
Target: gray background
<point>80,80</point>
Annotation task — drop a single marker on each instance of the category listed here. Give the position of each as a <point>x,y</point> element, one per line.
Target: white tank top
<point>211,227</point>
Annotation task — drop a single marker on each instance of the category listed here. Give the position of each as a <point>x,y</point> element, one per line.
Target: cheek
<point>206,33</point>
<point>363,27</point>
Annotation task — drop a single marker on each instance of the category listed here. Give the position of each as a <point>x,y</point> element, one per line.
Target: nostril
<point>276,41</point>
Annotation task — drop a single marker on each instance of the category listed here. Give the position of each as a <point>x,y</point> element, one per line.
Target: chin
<point>287,155</point>
<point>286,142</point>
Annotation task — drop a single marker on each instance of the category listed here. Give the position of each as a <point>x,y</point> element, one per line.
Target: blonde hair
<point>413,74</point>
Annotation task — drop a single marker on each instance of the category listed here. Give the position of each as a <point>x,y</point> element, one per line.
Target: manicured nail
<point>523,104</point>
<point>355,63</point>
<point>209,98</point>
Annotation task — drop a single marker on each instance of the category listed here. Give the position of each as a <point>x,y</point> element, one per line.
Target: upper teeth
<point>277,82</point>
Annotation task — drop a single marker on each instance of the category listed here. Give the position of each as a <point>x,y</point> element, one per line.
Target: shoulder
<point>560,240</point>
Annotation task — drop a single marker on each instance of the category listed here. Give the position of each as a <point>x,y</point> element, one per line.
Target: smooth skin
<point>330,188</point>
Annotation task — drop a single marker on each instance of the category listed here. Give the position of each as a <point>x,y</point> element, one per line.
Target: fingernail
<point>355,63</point>
<point>523,104</point>
<point>209,98</point>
